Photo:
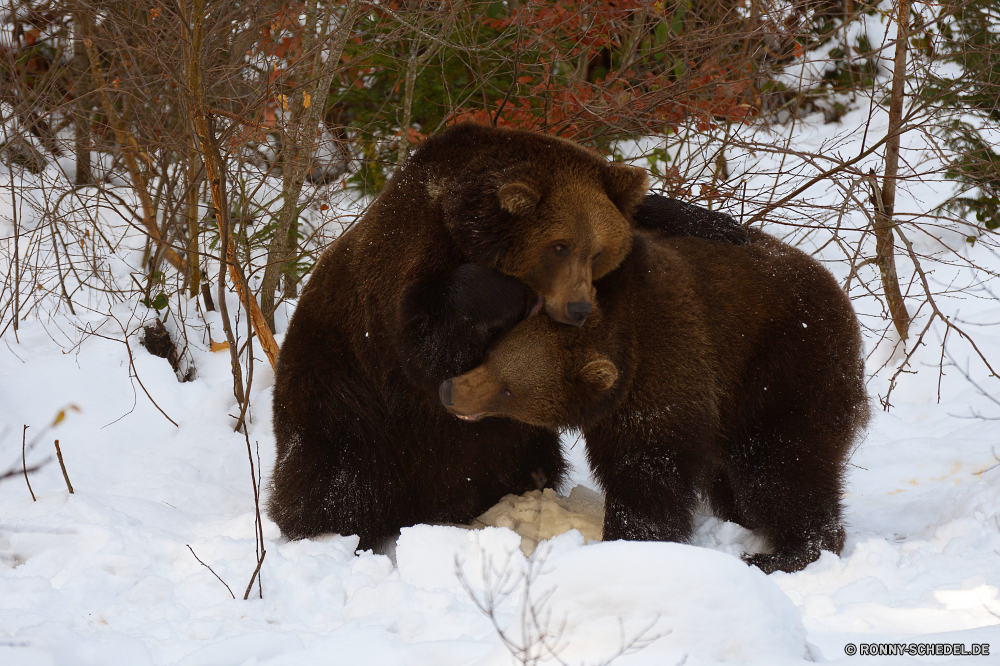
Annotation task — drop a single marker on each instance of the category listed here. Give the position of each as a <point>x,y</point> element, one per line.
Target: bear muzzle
<point>467,409</point>
<point>578,312</point>
<point>573,313</point>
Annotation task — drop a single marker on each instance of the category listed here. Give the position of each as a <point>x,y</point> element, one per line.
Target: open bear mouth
<point>471,417</point>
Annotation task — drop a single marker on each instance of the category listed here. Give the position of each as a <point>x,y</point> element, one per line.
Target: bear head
<point>548,212</point>
<point>537,374</point>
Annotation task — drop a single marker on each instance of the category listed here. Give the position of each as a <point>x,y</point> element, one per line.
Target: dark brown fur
<point>363,444</point>
<point>679,218</point>
<point>728,371</point>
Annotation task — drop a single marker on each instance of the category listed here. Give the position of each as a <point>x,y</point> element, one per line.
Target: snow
<point>106,576</point>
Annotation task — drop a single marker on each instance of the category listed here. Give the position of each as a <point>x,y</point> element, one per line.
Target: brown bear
<point>479,228</point>
<point>729,371</point>
<point>363,445</point>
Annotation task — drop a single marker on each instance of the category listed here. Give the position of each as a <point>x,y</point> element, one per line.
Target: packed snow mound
<point>542,514</point>
<point>655,603</point>
<point>698,605</point>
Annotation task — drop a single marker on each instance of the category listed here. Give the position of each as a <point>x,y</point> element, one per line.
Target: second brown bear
<point>730,372</point>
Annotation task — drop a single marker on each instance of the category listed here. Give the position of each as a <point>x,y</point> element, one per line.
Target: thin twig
<point>135,373</point>
<point>930,299</point>
<point>256,571</point>
<point>513,81</point>
<point>31,470</point>
<point>823,176</point>
<point>62,466</point>
<point>24,464</point>
<point>243,121</point>
<point>210,569</point>
<point>258,523</point>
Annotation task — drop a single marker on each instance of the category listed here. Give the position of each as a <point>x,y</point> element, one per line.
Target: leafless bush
<point>537,636</point>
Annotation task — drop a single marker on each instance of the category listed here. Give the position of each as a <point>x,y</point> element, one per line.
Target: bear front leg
<point>336,479</point>
<point>647,497</point>
<point>449,321</point>
<point>799,553</point>
<point>648,507</point>
<point>337,467</point>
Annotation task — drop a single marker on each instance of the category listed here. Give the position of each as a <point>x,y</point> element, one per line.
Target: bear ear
<point>600,374</point>
<point>626,185</point>
<point>518,198</point>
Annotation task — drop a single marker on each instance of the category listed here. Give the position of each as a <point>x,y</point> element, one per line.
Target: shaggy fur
<point>363,444</point>
<point>678,218</point>
<point>730,371</point>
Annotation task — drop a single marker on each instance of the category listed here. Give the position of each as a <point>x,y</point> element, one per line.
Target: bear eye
<point>560,248</point>
<point>506,392</point>
<point>598,255</point>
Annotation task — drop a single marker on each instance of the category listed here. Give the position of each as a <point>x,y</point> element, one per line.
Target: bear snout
<point>578,312</point>
<point>445,392</point>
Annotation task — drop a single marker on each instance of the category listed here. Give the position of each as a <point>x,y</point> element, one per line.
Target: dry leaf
<point>219,346</point>
<point>306,100</point>
<point>62,414</point>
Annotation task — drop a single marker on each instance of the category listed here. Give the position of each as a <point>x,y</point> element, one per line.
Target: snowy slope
<point>105,576</point>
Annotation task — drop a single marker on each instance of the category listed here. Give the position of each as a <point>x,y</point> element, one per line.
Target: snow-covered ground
<point>108,575</point>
